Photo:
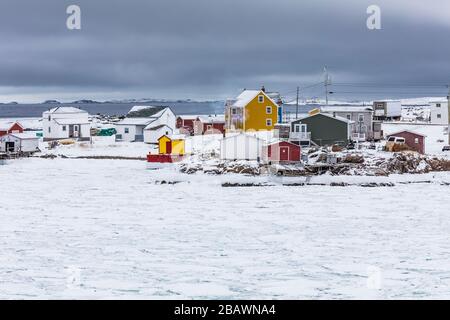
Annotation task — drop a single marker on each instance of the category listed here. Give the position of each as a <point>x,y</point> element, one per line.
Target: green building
<point>322,129</point>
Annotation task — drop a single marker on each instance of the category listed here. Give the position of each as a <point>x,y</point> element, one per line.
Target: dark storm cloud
<point>211,48</point>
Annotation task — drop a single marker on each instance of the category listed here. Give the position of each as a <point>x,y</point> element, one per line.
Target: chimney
<point>263,89</point>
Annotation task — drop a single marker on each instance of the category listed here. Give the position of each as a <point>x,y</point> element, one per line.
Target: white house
<point>146,127</point>
<point>439,112</point>
<point>153,132</point>
<point>25,142</point>
<point>66,122</point>
<point>163,122</point>
<point>241,147</point>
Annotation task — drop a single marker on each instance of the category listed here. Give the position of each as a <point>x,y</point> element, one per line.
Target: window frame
<point>361,117</point>
<point>261,98</point>
<point>267,122</point>
<point>269,108</point>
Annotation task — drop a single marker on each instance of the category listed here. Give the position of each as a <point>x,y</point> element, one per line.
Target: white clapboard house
<point>146,123</point>
<point>66,122</point>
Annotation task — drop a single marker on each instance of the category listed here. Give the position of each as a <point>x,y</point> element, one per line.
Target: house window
<point>127,130</point>
<point>439,116</point>
<point>49,118</point>
<point>269,122</point>
<point>416,140</point>
<point>261,99</point>
<point>349,116</point>
<point>269,110</point>
<point>438,105</point>
<point>361,118</point>
<point>380,106</point>
<point>233,111</point>
<point>63,128</point>
<point>49,129</point>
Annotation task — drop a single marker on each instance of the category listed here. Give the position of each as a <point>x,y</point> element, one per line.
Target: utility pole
<point>296,104</point>
<point>448,111</point>
<point>327,83</point>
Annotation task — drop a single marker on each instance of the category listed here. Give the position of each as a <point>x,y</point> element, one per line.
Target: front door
<point>284,153</point>
<point>76,130</point>
<point>168,147</point>
<point>9,146</point>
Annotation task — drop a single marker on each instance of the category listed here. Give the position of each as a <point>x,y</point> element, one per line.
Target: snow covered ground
<point>100,146</point>
<point>76,228</point>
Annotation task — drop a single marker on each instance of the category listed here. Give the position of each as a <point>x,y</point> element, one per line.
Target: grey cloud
<point>204,48</point>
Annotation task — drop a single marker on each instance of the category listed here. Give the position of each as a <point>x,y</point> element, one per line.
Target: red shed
<point>209,125</point>
<point>14,127</point>
<point>282,151</point>
<point>186,122</point>
<point>414,140</point>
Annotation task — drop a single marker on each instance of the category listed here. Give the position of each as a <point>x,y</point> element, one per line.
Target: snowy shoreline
<point>109,229</point>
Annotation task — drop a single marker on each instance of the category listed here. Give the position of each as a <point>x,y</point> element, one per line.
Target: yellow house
<point>252,110</point>
<point>174,145</point>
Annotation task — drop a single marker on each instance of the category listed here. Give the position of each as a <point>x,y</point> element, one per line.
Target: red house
<point>186,123</point>
<point>209,125</point>
<point>282,151</point>
<point>415,141</point>
<point>14,127</point>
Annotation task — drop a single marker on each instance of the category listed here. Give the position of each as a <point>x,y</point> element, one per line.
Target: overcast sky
<point>211,49</point>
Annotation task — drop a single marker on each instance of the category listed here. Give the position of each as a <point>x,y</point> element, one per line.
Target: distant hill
<point>51,102</point>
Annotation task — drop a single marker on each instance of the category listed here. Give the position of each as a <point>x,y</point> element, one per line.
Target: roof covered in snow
<point>24,135</point>
<point>6,125</point>
<point>188,116</point>
<point>135,121</point>
<point>248,95</point>
<point>147,111</point>
<point>403,131</point>
<point>212,118</point>
<point>341,108</point>
<point>71,121</point>
<point>329,116</point>
<point>157,127</point>
<point>64,110</point>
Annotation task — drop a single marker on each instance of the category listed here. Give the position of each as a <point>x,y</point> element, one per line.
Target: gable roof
<point>173,137</point>
<point>147,111</point>
<point>212,118</point>
<point>188,116</point>
<point>326,115</point>
<point>149,127</point>
<point>6,126</point>
<point>343,108</point>
<point>25,136</point>
<point>71,121</point>
<point>401,131</point>
<point>135,121</point>
<point>278,141</point>
<point>247,96</point>
<point>60,110</point>
<point>242,134</point>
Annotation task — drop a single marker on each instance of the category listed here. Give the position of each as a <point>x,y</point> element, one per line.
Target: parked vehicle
<point>392,141</point>
<point>446,148</point>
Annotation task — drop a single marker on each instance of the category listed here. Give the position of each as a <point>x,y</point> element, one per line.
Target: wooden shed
<point>282,152</point>
<point>173,145</point>
<point>14,127</point>
<point>241,147</point>
<point>414,140</point>
<point>24,143</point>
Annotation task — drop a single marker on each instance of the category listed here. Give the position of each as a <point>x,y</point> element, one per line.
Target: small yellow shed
<point>174,145</point>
